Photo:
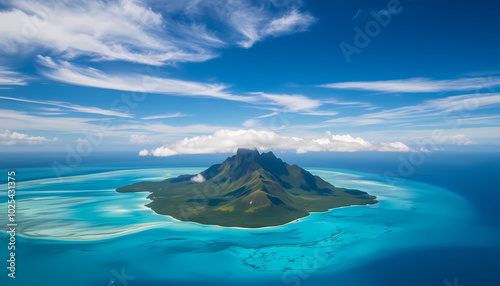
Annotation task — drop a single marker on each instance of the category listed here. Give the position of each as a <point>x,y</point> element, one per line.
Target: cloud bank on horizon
<point>15,138</point>
<point>254,73</point>
<point>228,141</point>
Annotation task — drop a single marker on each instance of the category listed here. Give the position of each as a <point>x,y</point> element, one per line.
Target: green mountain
<point>247,190</point>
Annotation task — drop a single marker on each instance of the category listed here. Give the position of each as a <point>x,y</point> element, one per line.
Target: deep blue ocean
<point>437,223</point>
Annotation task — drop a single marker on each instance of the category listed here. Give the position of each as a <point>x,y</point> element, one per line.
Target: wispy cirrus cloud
<point>139,139</point>
<point>463,136</point>
<point>458,139</point>
<point>228,141</point>
<point>21,120</point>
<point>164,116</point>
<point>25,121</point>
<point>434,108</point>
<point>296,103</point>
<point>141,31</point>
<point>125,30</point>
<point>165,129</point>
<point>250,21</point>
<point>251,123</point>
<point>70,106</point>
<point>8,77</point>
<point>255,24</point>
<point>290,103</point>
<point>284,104</point>
<point>67,72</point>
<point>414,85</point>
<point>293,21</point>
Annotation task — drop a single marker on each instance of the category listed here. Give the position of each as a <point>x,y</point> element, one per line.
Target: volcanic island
<point>248,190</point>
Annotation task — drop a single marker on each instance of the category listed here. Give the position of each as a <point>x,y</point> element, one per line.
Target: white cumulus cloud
<point>228,141</point>
<point>198,179</point>
<point>15,138</point>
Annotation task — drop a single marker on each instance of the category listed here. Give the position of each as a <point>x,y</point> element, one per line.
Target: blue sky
<point>178,77</point>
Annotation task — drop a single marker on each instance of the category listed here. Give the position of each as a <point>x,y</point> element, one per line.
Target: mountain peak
<point>245,155</point>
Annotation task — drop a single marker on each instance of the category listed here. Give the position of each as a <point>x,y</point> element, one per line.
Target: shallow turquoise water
<point>78,231</point>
